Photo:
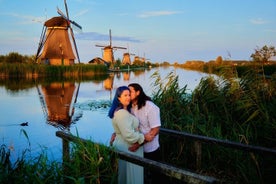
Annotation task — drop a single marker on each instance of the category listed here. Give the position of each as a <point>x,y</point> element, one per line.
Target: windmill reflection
<point>57,100</point>
<point>108,83</point>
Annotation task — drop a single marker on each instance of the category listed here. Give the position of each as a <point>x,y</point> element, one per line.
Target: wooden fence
<point>169,170</point>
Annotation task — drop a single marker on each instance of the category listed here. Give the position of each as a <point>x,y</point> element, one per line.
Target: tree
<point>219,60</point>
<point>14,57</point>
<point>264,54</point>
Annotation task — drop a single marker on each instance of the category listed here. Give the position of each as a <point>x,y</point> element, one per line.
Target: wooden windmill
<point>108,55</point>
<point>126,58</point>
<point>57,44</point>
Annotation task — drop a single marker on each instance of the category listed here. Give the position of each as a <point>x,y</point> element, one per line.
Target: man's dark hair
<point>142,98</point>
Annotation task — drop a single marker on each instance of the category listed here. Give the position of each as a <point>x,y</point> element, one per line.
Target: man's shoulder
<point>151,104</point>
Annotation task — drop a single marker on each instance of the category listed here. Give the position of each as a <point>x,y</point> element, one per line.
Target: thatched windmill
<point>57,44</point>
<point>126,58</point>
<point>108,55</point>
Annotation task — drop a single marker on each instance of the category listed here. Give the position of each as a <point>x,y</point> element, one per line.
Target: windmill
<point>108,55</point>
<point>126,57</point>
<point>57,45</point>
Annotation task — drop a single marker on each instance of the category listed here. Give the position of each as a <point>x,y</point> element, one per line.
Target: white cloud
<point>157,13</point>
<point>83,12</point>
<point>27,19</point>
<point>258,21</point>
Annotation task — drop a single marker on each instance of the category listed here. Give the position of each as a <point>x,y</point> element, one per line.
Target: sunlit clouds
<point>157,13</point>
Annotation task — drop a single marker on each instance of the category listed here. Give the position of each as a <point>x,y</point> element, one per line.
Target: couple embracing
<point>136,122</point>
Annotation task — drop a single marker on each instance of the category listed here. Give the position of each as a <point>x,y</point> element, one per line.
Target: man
<point>149,123</point>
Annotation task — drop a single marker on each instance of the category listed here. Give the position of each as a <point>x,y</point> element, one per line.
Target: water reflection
<point>49,104</point>
<point>57,101</point>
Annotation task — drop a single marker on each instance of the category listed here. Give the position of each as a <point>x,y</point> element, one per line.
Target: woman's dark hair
<point>116,104</point>
<point>142,98</point>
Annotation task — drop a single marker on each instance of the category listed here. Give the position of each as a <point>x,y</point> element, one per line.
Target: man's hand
<point>112,139</point>
<point>134,147</point>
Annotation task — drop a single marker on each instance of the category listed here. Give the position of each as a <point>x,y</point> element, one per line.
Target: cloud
<point>258,21</point>
<point>157,13</point>
<point>93,36</point>
<point>26,19</point>
<point>83,12</point>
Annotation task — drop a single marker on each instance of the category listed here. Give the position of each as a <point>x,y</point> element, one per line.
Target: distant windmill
<point>126,58</point>
<point>55,45</point>
<point>108,55</point>
<point>141,59</point>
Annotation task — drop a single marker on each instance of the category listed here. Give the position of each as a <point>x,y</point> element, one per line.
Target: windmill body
<point>57,44</point>
<point>108,54</point>
<point>126,59</point>
<point>57,48</point>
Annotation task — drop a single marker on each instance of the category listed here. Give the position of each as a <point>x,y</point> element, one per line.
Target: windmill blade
<point>75,24</point>
<point>66,8</point>
<point>71,21</point>
<point>115,47</point>
<point>110,38</point>
<point>75,45</point>
<point>61,13</point>
<point>100,45</point>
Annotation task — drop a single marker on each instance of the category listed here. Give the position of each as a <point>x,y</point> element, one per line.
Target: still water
<point>80,108</point>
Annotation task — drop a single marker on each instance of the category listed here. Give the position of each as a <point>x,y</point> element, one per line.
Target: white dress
<point>126,128</point>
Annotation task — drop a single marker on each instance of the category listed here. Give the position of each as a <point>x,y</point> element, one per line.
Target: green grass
<point>227,108</point>
<point>88,163</point>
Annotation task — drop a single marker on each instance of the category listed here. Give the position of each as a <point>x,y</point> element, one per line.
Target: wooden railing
<point>225,143</point>
<point>168,170</point>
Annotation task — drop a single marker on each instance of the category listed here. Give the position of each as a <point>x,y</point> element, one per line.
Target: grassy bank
<point>227,108</point>
<point>88,163</point>
<point>24,70</point>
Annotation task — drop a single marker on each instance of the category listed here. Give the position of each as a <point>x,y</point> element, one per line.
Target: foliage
<point>14,57</point>
<point>262,55</point>
<point>91,163</point>
<point>219,60</point>
<point>224,107</point>
<point>25,70</point>
<point>88,163</point>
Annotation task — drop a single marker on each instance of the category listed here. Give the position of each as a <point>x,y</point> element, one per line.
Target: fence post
<point>198,151</point>
<point>65,155</point>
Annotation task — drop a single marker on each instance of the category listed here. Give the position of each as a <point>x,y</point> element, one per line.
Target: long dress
<point>126,128</point>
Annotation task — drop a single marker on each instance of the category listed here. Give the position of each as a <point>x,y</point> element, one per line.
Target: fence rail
<point>168,170</point>
<point>225,143</point>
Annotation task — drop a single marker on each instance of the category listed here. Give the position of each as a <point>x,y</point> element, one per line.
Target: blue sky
<point>160,30</point>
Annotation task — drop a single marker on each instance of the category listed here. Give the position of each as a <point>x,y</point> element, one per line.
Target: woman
<point>127,133</point>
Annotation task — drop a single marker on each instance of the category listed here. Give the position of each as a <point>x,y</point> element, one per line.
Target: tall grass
<point>19,70</point>
<point>88,163</point>
<point>225,107</point>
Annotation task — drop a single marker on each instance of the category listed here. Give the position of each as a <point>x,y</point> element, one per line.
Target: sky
<point>159,30</point>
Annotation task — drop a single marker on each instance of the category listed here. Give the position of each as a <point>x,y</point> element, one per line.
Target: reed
<point>224,107</point>
<point>88,163</point>
<point>25,70</point>
<point>91,163</point>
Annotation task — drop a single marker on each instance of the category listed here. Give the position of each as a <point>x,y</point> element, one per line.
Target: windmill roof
<point>56,21</point>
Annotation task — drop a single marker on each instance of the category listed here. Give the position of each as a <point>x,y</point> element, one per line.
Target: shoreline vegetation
<point>238,106</point>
